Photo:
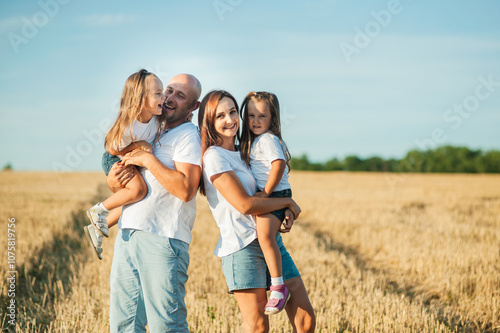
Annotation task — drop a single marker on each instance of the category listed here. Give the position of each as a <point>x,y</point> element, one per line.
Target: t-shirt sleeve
<point>272,148</point>
<point>188,149</point>
<point>215,163</point>
<point>126,139</point>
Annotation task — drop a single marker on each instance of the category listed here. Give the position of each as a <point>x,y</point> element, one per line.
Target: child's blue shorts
<point>107,161</point>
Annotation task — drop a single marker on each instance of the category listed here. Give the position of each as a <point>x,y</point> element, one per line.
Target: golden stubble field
<point>377,252</point>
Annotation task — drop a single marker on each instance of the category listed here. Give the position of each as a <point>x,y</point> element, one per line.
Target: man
<point>151,258</point>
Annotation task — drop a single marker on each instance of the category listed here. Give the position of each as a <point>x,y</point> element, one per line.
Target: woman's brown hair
<point>206,123</point>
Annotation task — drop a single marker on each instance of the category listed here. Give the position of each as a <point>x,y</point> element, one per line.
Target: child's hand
<point>146,146</point>
<point>261,195</point>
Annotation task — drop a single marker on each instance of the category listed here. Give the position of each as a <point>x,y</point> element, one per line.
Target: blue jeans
<point>147,282</point>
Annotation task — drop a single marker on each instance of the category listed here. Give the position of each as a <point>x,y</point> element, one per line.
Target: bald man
<point>151,258</point>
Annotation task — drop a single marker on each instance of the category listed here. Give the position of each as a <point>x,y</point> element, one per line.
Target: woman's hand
<point>294,208</point>
<point>261,194</point>
<point>287,224</point>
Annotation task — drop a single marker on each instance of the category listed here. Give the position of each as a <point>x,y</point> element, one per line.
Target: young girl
<point>267,155</point>
<point>137,127</point>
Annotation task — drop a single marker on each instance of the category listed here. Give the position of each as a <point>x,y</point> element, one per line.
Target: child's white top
<point>237,230</point>
<point>160,212</point>
<point>140,132</point>
<point>265,149</point>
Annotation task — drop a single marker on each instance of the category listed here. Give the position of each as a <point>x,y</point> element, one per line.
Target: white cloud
<point>101,20</point>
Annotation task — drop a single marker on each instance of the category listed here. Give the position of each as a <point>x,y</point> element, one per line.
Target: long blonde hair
<point>131,105</point>
<point>206,123</point>
<point>247,136</point>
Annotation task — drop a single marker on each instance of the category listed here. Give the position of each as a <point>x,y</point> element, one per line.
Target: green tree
<point>353,163</point>
<point>489,162</point>
<point>7,167</point>
<point>334,165</point>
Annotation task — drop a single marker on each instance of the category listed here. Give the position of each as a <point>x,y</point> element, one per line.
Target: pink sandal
<point>275,305</point>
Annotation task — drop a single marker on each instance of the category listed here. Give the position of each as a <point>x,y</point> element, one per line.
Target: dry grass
<point>378,253</point>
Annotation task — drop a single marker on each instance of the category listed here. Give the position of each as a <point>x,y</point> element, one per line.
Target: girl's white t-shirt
<point>140,132</point>
<point>265,149</point>
<point>237,230</point>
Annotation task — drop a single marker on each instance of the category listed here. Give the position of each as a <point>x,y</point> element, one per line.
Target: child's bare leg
<point>267,227</point>
<point>134,191</point>
<point>114,216</point>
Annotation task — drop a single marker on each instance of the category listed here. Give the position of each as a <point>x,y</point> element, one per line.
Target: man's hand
<point>137,157</point>
<point>120,175</point>
<point>286,225</point>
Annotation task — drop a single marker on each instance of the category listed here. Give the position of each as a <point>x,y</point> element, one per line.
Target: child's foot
<point>95,239</point>
<point>277,300</point>
<point>97,216</point>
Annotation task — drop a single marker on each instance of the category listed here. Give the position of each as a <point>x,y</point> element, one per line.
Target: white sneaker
<point>95,239</point>
<point>97,217</point>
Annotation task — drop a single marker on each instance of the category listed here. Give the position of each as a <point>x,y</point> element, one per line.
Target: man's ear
<point>195,106</point>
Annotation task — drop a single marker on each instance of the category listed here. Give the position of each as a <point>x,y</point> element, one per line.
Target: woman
<point>229,187</point>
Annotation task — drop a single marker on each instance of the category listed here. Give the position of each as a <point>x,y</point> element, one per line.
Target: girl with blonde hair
<point>138,126</point>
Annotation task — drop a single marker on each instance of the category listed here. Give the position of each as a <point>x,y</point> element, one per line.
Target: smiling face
<point>154,99</point>
<point>226,121</point>
<point>259,117</point>
<point>182,93</point>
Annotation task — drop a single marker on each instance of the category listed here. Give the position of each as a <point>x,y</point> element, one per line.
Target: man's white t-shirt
<point>237,230</point>
<point>160,212</point>
<point>265,149</point>
<point>140,132</point>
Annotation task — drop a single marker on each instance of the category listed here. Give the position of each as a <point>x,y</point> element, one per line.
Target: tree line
<point>447,159</point>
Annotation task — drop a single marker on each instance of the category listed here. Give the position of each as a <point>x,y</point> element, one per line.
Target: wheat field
<point>377,253</point>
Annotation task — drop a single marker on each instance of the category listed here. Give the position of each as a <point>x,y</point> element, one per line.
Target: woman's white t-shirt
<point>265,149</point>
<point>140,132</point>
<point>237,230</point>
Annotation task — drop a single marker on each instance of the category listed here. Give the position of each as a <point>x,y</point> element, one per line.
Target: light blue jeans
<point>147,282</point>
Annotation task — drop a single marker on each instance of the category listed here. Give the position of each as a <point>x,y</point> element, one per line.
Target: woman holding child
<point>230,188</point>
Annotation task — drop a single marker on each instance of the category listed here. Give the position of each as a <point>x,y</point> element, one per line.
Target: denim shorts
<point>246,268</point>
<point>287,193</point>
<point>107,161</point>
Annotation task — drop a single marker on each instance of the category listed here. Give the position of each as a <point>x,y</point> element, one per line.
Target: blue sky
<point>353,77</point>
